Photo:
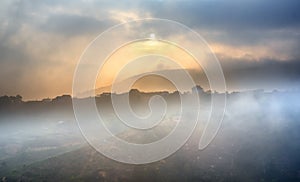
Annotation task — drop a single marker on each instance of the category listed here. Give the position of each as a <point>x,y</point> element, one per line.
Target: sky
<point>257,42</point>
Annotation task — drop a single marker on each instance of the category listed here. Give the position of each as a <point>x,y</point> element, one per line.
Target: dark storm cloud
<point>230,15</point>
<point>75,25</point>
<point>265,74</point>
<point>58,17</point>
<point>247,22</point>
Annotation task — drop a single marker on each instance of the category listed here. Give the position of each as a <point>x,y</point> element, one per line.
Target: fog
<point>259,139</point>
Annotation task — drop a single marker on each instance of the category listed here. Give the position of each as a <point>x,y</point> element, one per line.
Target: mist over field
<point>213,89</point>
<point>258,141</point>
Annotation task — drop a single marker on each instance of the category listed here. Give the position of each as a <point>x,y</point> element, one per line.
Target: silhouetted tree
<point>5,100</point>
